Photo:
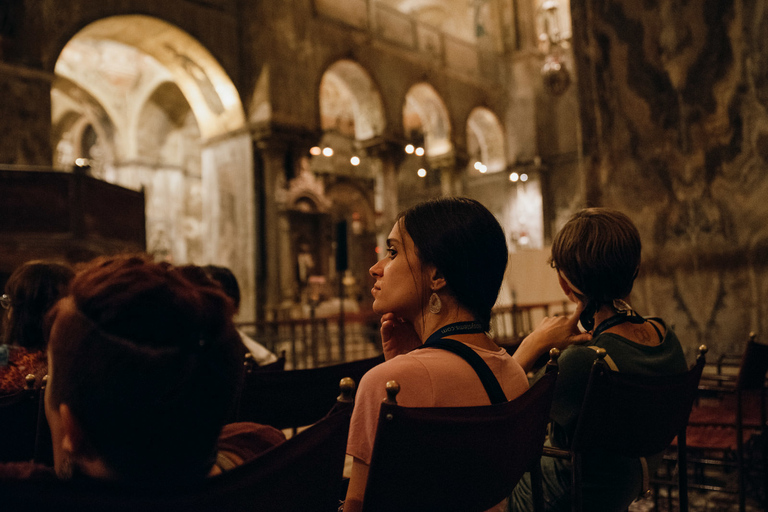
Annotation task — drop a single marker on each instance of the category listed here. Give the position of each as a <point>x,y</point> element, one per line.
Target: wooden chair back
<point>460,459</point>
<point>295,398</point>
<point>632,415</point>
<point>304,473</point>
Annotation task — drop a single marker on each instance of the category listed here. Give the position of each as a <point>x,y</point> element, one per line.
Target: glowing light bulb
<point>409,149</point>
<point>514,177</point>
<point>478,165</point>
<point>419,151</point>
<point>523,177</point>
<point>327,151</point>
<point>315,151</point>
<point>354,160</point>
<point>421,172</point>
<point>483,169</point>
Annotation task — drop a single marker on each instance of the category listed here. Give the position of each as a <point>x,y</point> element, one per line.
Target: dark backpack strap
<point>489,380</point>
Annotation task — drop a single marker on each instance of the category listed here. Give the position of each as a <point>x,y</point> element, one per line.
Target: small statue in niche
<point>305,262</point>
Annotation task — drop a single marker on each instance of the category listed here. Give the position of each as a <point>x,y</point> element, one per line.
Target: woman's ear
<point>436,279</point>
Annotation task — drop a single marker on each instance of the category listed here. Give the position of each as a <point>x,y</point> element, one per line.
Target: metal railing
<point>510,324</point>
<point>313,342</point>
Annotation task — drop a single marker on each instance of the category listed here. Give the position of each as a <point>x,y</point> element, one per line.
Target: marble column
<point>270,181</point>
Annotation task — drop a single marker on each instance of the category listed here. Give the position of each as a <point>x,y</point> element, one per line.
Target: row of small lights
<point>513,177</point>
<point>328,152</point>
<point>418,151</point>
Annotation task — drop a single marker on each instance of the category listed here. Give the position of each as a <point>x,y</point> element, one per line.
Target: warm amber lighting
<point>354,160</point>
<point>421,172</point>
<point>327,151</point>
<point>315,151</point>
<point>514,177</point>
<point>419,151</point>
<point>409,149</point>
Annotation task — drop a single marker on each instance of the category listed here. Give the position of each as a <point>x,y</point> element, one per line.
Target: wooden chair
<point>630,415</point>
<point>18,423</point>
<point>295,398</point>
<point>460,459</point>
<point>304,473</point>
<point>733,409</point>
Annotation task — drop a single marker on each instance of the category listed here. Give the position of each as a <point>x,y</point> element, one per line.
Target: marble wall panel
<point>675,101</point>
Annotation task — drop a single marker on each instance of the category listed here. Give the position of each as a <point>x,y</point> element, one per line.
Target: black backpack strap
<point>489,380</point>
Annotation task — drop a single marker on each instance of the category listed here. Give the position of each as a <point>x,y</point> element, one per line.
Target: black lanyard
<point>487,378</point>
<point>456,328</point>
<point>615,320</point>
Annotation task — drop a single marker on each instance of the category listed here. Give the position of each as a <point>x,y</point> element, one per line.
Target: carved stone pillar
<point>387,156</point>
<point>270,180</point>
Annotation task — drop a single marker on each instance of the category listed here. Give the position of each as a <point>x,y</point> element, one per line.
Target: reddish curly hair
<point>147,362</point>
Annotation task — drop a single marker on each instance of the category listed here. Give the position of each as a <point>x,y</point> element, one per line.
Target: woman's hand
<point>552,332</point>
<point>397,336</point>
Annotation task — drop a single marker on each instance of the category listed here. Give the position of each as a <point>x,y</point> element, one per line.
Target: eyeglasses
<point>5,301</point>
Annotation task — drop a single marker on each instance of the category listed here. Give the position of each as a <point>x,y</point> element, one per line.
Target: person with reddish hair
<point>31,290</point>
<point>143,370</point>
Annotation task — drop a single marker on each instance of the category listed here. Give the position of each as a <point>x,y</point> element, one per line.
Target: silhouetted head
<point>226,280</point>
<point>598,252</point>
<point>31,290</point>
<point>143,368</point>
<point>467,246</point>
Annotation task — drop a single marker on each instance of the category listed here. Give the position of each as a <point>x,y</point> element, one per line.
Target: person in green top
<point>597,258</point>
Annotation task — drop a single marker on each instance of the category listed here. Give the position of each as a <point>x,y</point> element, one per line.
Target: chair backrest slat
<point>303,473</point>
<point>634,415</point>
<point>456,458</point>
<point>295,398</point>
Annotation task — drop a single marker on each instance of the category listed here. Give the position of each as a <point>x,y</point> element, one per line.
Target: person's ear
<point>436,280</point>
<point>567,290</point>
<point>72,439</point>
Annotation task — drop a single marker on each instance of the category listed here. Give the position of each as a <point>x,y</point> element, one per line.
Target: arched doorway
<point>342,174</point>
<point>427,128</point>
<point>145,105</point>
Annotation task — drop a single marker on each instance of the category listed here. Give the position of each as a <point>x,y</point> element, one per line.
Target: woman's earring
<point>435,304</point>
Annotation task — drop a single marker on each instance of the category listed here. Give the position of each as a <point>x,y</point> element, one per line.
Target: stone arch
<point>350,101</point>
<point>485,142</point>
<point>425,115</point>
<point>76,114</point>
<point>180,135</point>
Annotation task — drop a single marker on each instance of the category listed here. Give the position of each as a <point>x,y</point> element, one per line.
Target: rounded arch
<point>485,142</point>
<point>179,134</point>
<point>425,115</point>
<point>81,127</point>
<point>209,90</point>
<point>350,101</point>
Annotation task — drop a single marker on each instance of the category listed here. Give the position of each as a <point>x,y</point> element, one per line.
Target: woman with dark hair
<point>30,292</point>
<point>435,289</point>
<point>597,257</point>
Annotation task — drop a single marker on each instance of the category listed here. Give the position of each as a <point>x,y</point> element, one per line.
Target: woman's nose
<point>375,270</point>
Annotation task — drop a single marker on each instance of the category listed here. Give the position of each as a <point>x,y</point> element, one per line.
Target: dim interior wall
<point>674,102</point>
<point>530,280</point>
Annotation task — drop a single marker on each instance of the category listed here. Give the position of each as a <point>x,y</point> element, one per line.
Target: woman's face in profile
<point>398,277</point>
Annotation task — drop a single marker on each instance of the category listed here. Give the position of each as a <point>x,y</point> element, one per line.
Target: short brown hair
<point>148,364</point>
<point>598,251</point>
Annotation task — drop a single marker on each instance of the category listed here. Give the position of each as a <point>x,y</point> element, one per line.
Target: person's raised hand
<point>552,332</point>
<point>397,336</point>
